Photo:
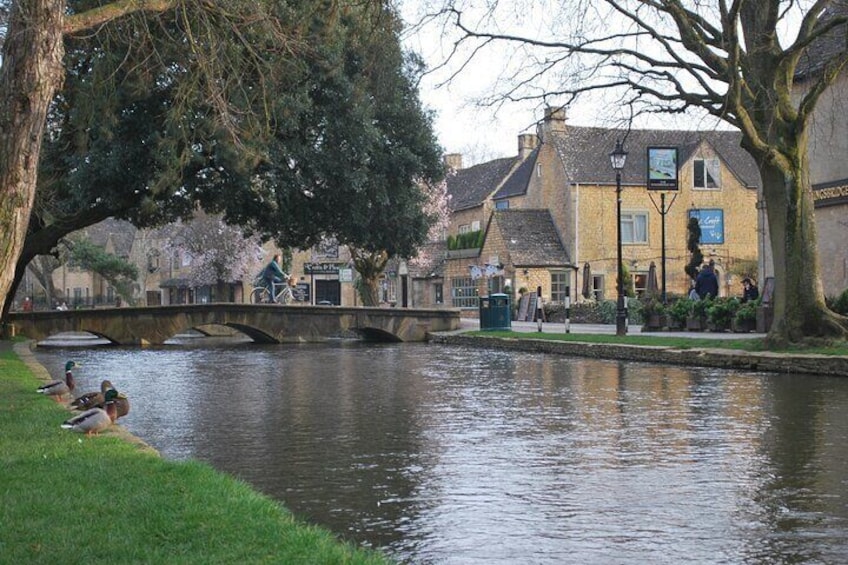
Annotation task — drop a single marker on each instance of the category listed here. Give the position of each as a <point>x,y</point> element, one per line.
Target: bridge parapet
<point>266,323</point>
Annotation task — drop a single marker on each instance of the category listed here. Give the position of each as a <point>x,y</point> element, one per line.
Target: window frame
<point>706,173</point>
<point>628,217</point>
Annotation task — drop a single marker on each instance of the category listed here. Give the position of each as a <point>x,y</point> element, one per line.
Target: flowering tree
<point>219,253</point>
<point>436,207</point>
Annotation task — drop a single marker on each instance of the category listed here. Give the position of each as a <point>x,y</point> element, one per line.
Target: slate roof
<point>584,152</point>
<point>470,187</point>
<point>516,184</point>
<point>824,48</point>
<point>121,232</point>
<point>531,238</point>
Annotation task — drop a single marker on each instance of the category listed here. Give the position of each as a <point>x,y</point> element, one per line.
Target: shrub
<point>747,312</point>
<point>721,311</point>
<point>840,303</point>
<point>700,307</point>
<point>680,309</point>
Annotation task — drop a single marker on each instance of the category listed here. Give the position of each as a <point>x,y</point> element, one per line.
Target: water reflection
<point>452,455</point>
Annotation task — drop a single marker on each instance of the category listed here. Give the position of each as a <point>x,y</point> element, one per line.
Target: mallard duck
<point>92,399</point>
<point>92,421</point>
<point>58,389</point>
<point>122,403</point>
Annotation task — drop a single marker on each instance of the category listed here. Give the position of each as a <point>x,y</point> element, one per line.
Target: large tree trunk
<point>370,266</point>
<point>31,74</point>
<point>792,232</point>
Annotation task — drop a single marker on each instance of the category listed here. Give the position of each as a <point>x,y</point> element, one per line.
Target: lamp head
<point>618,156</point>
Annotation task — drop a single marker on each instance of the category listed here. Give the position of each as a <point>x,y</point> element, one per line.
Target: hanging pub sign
<point>662,168</point>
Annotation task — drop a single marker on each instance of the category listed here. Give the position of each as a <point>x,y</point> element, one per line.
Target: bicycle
<point>261,295</point>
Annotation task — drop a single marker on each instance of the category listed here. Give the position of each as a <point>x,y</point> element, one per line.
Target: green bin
<point>495,312</point>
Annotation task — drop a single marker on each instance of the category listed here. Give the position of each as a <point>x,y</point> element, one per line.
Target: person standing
<point>707,283</point>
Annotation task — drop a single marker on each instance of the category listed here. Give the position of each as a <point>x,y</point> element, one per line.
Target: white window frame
<point>711,174</point>
<point>464,228</point>
<point>559,286</point>
<point>630,232</point>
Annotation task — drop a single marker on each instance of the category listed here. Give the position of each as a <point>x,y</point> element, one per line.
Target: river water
<point>439,454</point>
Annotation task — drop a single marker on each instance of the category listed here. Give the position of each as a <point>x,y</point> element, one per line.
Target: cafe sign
<point>323,268</point>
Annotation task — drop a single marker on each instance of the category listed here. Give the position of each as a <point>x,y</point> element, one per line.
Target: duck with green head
<point>92,399</point>
<point>92,421</point>
<point>58,389</point>
<point>122,403</point>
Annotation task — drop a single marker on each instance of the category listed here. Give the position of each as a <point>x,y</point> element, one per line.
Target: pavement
<point>559,327</point>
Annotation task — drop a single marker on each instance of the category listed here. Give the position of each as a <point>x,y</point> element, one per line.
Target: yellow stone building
<point>549,214</point>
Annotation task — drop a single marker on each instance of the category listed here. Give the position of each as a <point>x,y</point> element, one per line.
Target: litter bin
<point>495,312</point>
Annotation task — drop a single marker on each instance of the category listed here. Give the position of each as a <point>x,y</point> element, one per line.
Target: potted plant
<point>678,311</point>
<point>697,319</point>
<point>720,313</point>
<point>745,319</point>
<point>653,314</point>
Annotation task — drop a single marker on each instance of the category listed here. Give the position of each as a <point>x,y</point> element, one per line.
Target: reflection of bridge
<point>263,323</point>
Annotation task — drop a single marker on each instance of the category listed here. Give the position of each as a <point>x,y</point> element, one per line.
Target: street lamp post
<point>618,156</point>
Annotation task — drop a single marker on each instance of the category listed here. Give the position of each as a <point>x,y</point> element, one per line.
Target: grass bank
<point>660,340</point>
<point>67,498</point>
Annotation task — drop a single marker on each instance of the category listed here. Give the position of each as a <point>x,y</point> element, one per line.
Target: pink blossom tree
<point>220,253</point>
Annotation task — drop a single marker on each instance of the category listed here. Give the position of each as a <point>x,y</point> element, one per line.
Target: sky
<point>484,133</point>
<point>479,133</point>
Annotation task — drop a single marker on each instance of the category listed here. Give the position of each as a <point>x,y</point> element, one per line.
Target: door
<point>328,292</point>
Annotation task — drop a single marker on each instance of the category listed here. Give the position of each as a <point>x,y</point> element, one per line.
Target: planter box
<point>695,324</point>
<point>654,323</point>
<point>745,326</point>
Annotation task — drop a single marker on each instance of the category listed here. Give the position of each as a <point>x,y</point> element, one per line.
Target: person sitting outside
<point>706,285</point>
<point>273,274</point>
<point>749,290</point>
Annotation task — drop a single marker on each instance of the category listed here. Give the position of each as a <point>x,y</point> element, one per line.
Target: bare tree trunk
<point>31,74</point>
<point>792,231</point>
<point>369,265</point>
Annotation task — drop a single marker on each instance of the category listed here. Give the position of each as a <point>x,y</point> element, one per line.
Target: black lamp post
<point>618,158</point>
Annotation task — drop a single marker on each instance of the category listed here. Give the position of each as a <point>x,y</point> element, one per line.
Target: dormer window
<point>707,174</point>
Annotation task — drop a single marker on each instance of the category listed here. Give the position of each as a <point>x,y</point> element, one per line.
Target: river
<point>438,454</point>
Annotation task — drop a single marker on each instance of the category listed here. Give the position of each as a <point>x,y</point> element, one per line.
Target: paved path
<point>559,327</point>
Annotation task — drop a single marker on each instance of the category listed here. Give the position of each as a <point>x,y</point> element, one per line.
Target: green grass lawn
<point>658,339</point>
<point>67,498</point>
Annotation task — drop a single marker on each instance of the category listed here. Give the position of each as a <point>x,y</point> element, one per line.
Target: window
<point>438,292</point>
<point>463,293</point>
<point>707,174</point>
<point>502,205</point>
<point>634,227</point>
<point>559,286</point>
<point>640,283</point>
<point>465,228</point>
<point>475,225</point>
<point>538,169</point>
<point>598,287</point>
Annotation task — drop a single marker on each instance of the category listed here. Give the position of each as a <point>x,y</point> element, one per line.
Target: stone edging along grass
<point>707,357</point>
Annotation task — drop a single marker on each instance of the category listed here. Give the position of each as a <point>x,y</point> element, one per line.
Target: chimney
<point>527,142</point>
<point>453,161</point>
<point>554,119</point>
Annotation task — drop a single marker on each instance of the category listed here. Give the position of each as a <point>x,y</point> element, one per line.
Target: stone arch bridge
<point>264,323</point>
